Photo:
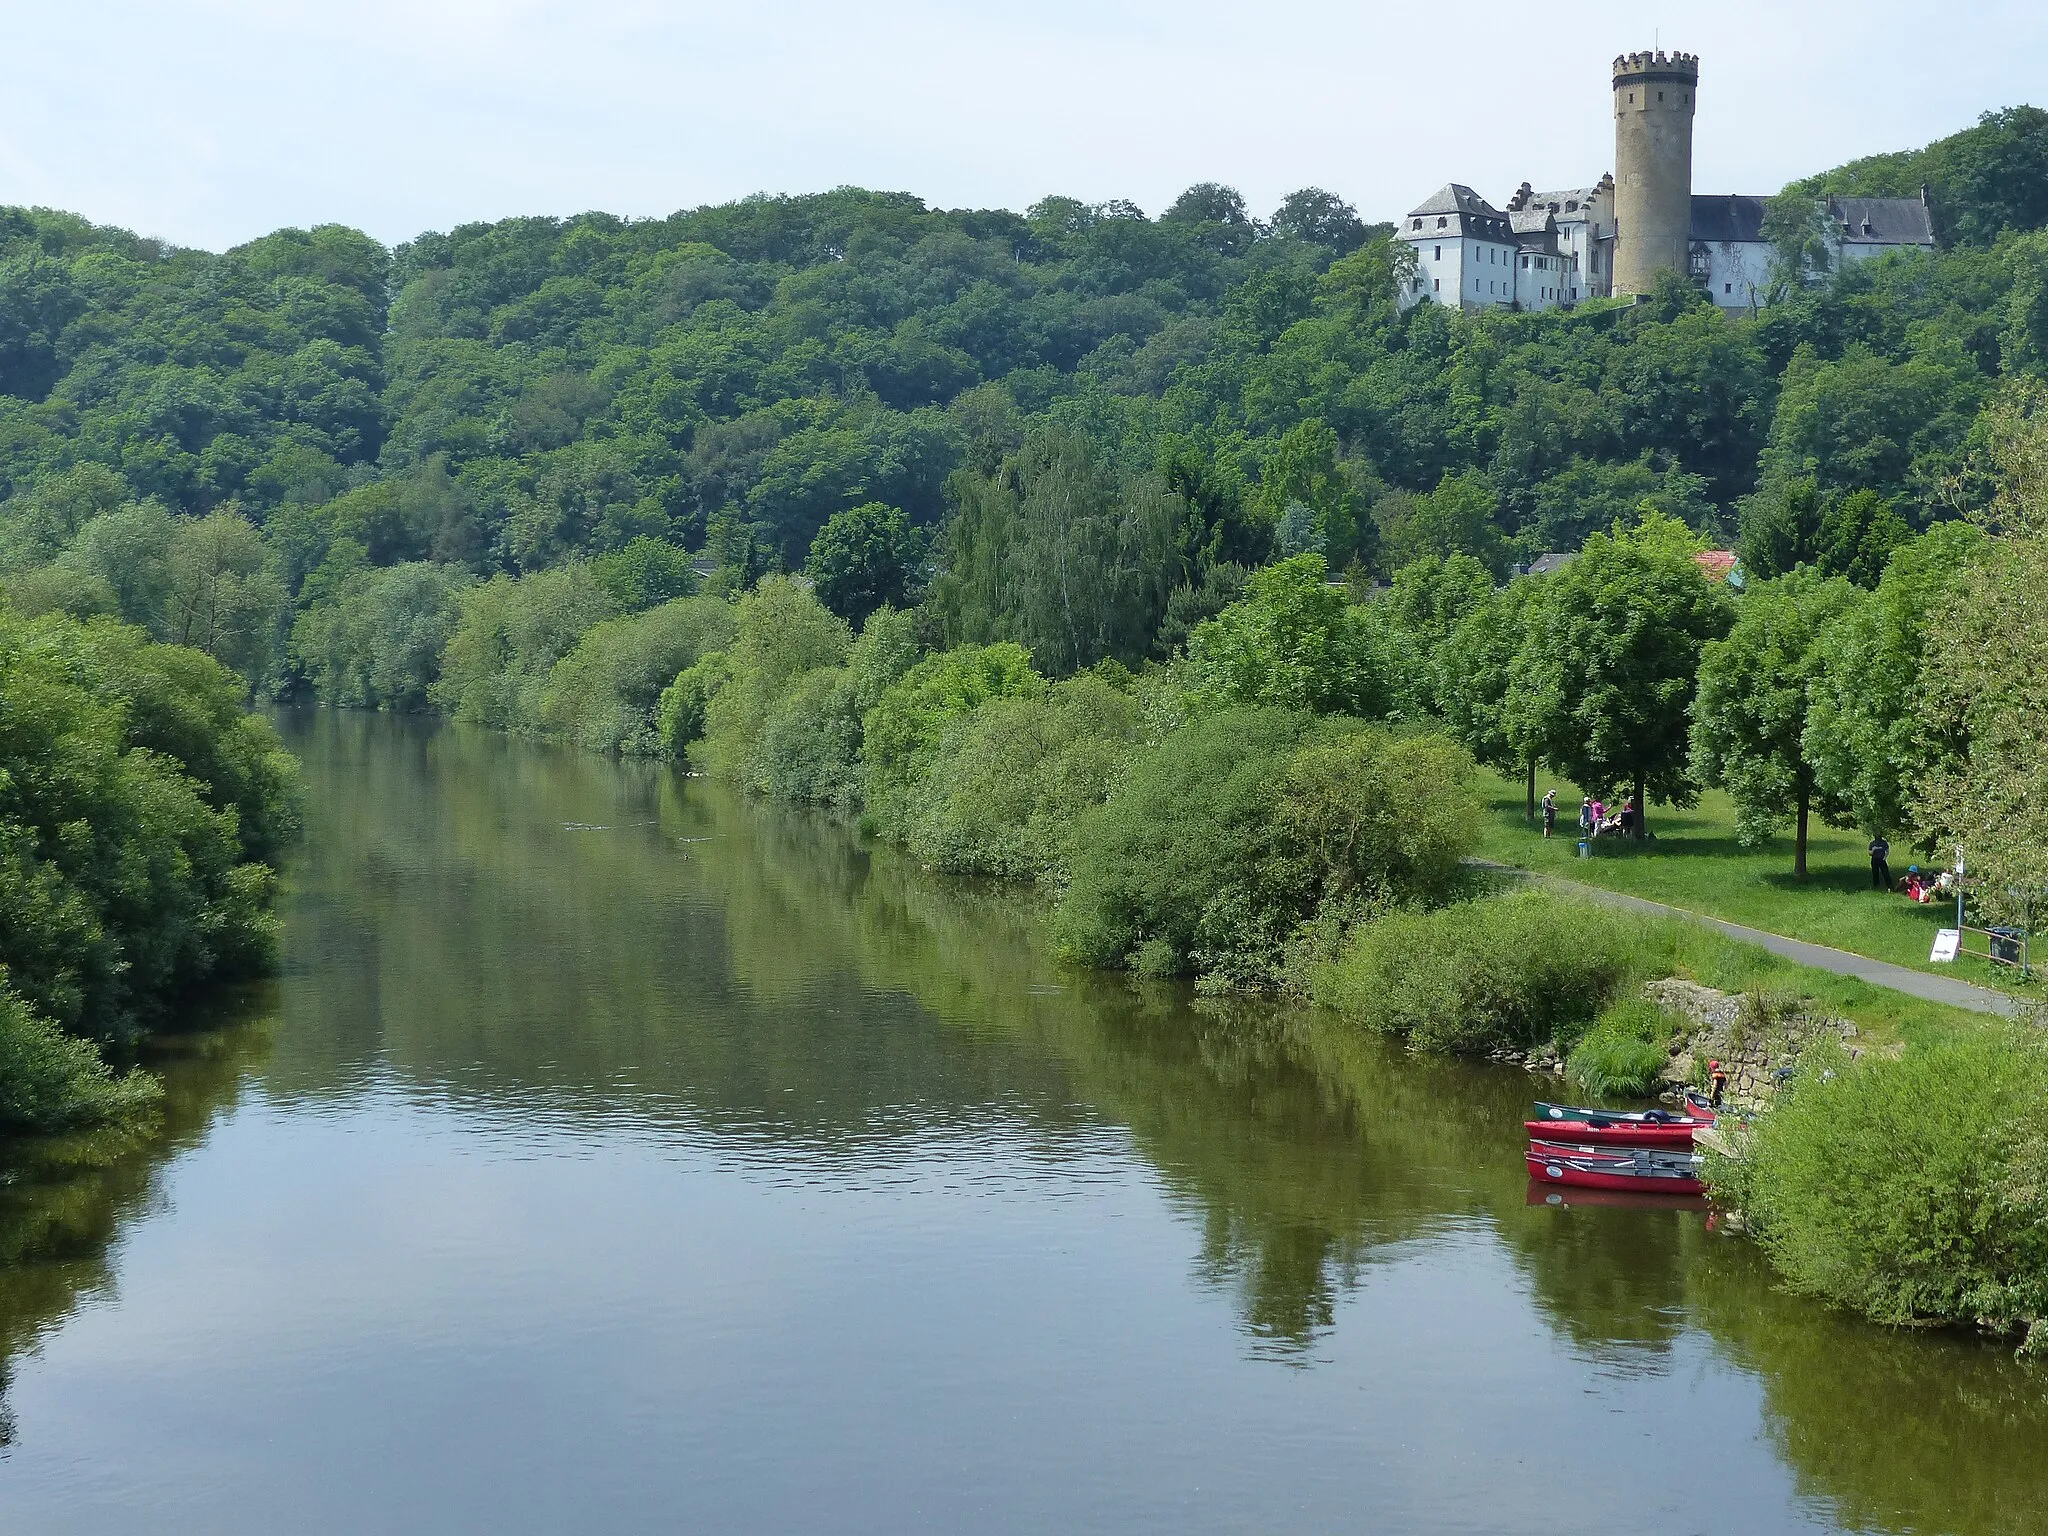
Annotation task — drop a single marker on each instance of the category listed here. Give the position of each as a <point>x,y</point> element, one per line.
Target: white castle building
<point>1552,249</point>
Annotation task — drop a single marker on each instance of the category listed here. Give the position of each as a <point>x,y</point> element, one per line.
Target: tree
<point>1988,792</point>
<point>1458,517</point>
<point>1781,529</point>
<point>1857,536</point>
<point>1320,218</point>
<point>1060,553</point>
<point>1751,714</point>
<point>865,558</point>
<point>1295,643</point>
<point>224,597</point>
<point>1474,669</point>
<point>1606,677</point>
<point>1303,470</point>
<point>1867,732</point>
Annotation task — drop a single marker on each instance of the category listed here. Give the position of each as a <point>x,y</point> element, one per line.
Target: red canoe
<point>1642,1169</point>
<point>1631,1133</point>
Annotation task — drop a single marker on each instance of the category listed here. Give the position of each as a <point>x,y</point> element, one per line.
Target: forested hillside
<point>1075,427</point>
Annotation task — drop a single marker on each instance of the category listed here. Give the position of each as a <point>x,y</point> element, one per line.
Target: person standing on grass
<point>1585,815</point>
<point>1599,816</point>
<point>1880,866</point>
<point>1549,814</point>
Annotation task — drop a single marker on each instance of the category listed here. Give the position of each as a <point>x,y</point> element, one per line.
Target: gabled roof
<point>1728,217</point>
<point>1456,197</point>
<point>1882,220</point>
<point>1532,221</point>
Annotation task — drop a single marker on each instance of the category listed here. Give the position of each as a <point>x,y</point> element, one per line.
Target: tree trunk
<point>1642,798</point>
<point>1799,840</point>
<point>1529,810</point>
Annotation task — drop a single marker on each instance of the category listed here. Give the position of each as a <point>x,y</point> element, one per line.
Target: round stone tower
<point>1652,165</point>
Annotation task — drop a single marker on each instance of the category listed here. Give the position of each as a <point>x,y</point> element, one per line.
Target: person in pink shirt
<point>1599,815</point>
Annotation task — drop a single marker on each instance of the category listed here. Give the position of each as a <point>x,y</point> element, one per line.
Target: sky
<point>209,122</point>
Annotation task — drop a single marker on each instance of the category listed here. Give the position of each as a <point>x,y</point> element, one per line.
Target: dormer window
<point>1439,223</point>
<point>1418,224</point>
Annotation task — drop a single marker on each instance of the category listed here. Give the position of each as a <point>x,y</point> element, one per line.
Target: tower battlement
<point>1631,67</point>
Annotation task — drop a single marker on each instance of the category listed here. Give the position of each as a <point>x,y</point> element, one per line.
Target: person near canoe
<point>1880,867</point>
<point>1549,813</point>
<point>1717,1079</point>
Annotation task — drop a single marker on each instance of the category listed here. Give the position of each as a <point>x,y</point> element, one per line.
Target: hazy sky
<point>211,122</point>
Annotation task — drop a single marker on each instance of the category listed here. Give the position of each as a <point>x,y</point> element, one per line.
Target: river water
<point>617,1155</point>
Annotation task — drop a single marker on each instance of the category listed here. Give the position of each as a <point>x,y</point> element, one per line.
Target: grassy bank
<point>1695,862</point>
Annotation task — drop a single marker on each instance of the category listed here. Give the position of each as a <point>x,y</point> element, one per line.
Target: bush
<point>780,632</point>
<point>902,732</point>
<point>1227,836</point>
<point>1624,1053</point>
<point>51,1081</point>
<point>1508,971</point>
<point>604,693</point>
<point>1911,1190</point>
<point>140,805</point>
<point>1009,782</point>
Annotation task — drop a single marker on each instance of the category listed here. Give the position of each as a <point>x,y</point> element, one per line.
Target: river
<point>614,1154</point>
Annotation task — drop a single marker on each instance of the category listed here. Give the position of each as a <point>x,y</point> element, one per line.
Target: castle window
<point>1727,287</point>
<point>1439,254</point>
<point>1436,285</point>
<point>1417,224</point>
<point>1439,223</point>
<point>1660,95</point>
<point>1631,98</point>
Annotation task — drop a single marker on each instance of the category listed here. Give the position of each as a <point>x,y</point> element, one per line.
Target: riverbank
<point>1695,862</point>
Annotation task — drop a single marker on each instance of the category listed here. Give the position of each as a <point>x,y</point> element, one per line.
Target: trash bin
<point>2005,945</point>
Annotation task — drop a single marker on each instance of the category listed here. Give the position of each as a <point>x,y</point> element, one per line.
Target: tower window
<point>1631,98</point>
<point>1660,95</point>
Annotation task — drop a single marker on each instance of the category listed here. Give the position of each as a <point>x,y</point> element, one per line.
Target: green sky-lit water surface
<point>615,1155</point>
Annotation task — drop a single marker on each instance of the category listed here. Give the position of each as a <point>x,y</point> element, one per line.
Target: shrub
<point>1009,781</point>
<point>1911,1190</point>
<point>780,632</point>
<point>604,693</point>
<point>140,803</point>
<point>1507,971</point>
<point>1624,1053</point>
<point>902,731</point>
<point>1230,833</point>
<point>51,1081</point>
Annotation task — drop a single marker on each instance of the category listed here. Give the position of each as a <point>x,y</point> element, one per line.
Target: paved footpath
<point>1879,973</point>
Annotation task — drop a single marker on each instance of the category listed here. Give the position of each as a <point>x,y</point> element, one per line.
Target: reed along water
<point>616,1154</point>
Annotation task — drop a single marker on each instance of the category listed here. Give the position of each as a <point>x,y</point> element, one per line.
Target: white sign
<point>1946,942</point>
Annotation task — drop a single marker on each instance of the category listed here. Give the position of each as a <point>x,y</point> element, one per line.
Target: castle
<point>1548,250</point>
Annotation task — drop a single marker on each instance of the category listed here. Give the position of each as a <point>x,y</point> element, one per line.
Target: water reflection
<point>569,955</point>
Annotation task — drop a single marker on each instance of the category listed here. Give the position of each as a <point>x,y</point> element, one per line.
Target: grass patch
<point>1695,862</point>
<point>1520,967</point>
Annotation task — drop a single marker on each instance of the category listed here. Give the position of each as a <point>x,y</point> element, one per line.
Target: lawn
<point>1695,862</point>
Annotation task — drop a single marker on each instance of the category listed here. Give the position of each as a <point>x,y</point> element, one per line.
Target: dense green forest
<point>300,453</point>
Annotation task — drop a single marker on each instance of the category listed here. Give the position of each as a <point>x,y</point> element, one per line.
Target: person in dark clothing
<point>1880,868</point>
<point>1550,813</point>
